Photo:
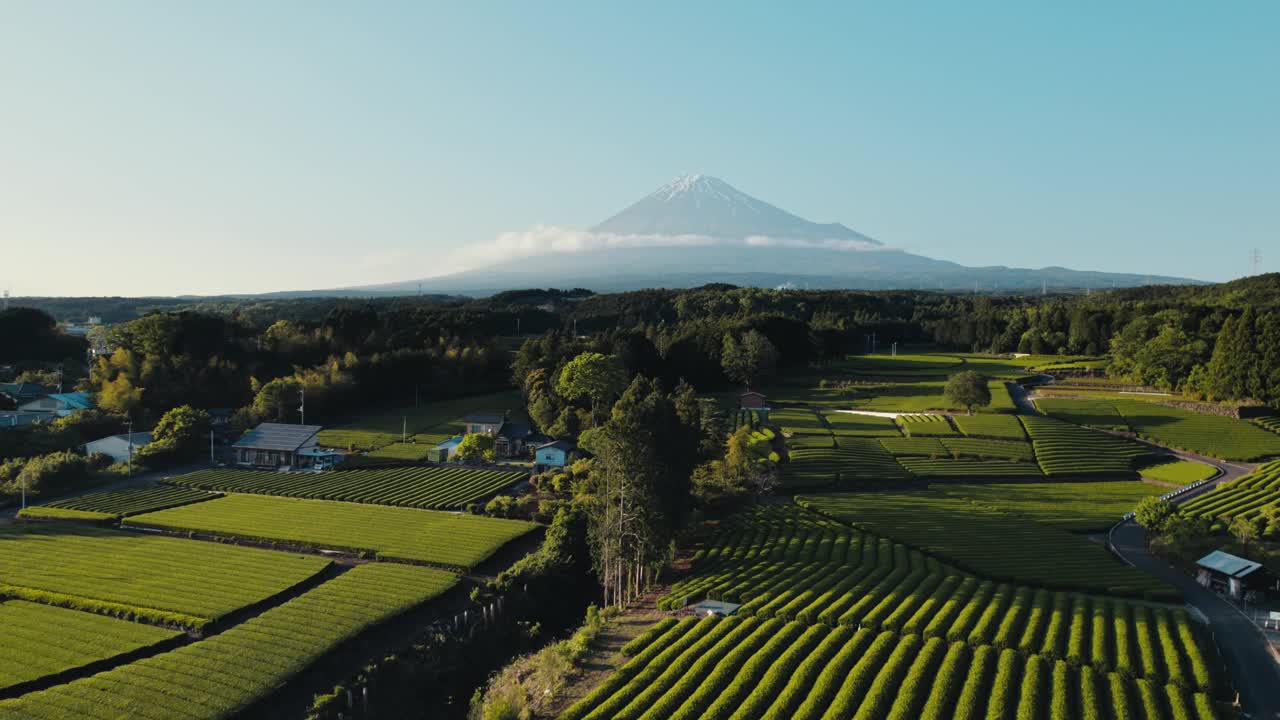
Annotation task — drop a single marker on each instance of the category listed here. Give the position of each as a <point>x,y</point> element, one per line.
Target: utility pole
<point>1255,257</point>
<point>212,461</point>
<point>517,327</point>
<point>302,408</point>
<point>894,349</point>
<point>1044,287</point>
<point>129,424</point>
<point>404,429</point>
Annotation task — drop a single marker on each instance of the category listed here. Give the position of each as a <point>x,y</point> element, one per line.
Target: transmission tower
<point>1255,257</point>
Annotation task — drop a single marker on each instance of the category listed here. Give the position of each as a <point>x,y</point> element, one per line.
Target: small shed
<point>752,400</point>
<point>1236,576</point>
<point>558,453</point>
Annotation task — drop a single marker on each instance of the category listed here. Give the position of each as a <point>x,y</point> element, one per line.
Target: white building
<point>117,446</point>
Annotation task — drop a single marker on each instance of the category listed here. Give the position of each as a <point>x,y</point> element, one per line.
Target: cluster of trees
<point>30,336</point>
<point>1182,533</point>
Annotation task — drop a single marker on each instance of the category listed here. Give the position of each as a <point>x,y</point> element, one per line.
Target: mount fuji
<point>698,229</point>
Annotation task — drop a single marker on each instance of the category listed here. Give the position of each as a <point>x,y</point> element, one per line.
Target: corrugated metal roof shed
<point>1227,564</point>
<point>278,436</point>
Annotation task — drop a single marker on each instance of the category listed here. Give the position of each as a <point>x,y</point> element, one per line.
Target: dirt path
<point>606,656</point>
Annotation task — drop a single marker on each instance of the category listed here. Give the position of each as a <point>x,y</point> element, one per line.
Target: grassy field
<point>1213,435</point>
<point>927,426</point>
<point>998,427</point>
<point>986,541</point>
<point>1065,449</point>
<point>41,640</point>
<point>862,425</point>
<point>1179,472</point>
<point>1075,506</point>
<point>1246,496</point>
<point>441,488</point>
<point>133,500</point>
<point>391,533</point>
<point>224,674</point>
<point>838,623</point>
<point>428,424</point>
<point>159,579</point>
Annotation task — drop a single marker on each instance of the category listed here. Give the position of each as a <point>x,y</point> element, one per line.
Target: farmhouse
<point>555,454</point>
<point>119,447</point>
<point>752,400</point>
<point>1236,576</point>
<point>59,404</point>
<point>510,439</point>
<point>279,445</point>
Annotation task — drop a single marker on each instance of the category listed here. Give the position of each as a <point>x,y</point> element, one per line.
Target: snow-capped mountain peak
<point>705,205</point>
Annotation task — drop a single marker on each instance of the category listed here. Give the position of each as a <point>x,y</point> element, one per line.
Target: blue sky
<point>170,148</point>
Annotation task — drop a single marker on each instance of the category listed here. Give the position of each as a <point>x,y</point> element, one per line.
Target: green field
<point>998,427</point>
<point>1092,413</point>
<point>428,424</point>
<point>1075,506</point>
<point>391,533</point>
<point>224,674</point>
<point>927,426</point>
<point>159,579</point>
<point>949,469</point>
<point>986,541</point>
<point>1065,449</point>
<point>1213,435</point>
<point>1179,472</point>
<point>862,425</point>
<point>134,500</point>
<point>1246,496</point>
<point>837,623</point>
<point>41,640</point>
<point>441,488</point>
<point>412,451</point>
<point>1267,422</point>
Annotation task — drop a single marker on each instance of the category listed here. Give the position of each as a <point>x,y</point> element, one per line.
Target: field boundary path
<point>1254,671</point>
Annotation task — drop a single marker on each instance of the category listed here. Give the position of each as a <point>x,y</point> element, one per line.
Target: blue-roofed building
<point>555,454</point>
<point>59,404</point>
<point>445,450</point>
<point>1234,575</point>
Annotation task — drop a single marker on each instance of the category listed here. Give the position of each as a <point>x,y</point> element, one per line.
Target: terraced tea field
<point>840,623</point>
<point>224,674</point>
<point>798,420</point>
<point>921,446</point>
<point>131,501</point>
<point>998,427</point>
<point>948,469</point>
<point>857,460</point>
<point>984,540</point>
<point>927,426</point>
<point>391,533</point>
<point>1179,472</point>
<point>1246,496</point>
<point>1268,422</point>
<point>1064,449</point>
<point>989,449</point>
<point>41,640</point>
<point>862,425</point>
<point>440,488</point>
<point>429,424</point>
<point>1092,413</point>
<point>154,578</point>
